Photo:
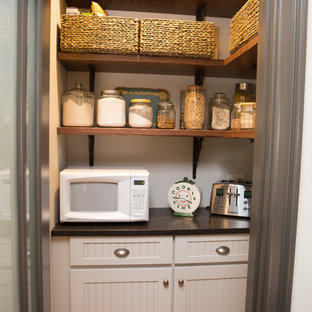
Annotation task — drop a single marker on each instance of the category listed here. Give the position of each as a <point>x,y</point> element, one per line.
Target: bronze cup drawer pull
<point>121,252</point>
<point>223,250</point>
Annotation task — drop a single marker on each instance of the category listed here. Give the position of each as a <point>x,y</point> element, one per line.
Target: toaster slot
<point>236,197</point>
<point>229,194</point>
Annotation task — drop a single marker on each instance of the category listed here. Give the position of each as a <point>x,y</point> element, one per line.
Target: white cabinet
<point>215,288</point>
<point>166,274</point>
<point>121,290</point>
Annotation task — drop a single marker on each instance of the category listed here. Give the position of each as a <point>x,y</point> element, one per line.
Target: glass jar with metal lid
<point>78,107</point>
<point>244,92</point>
<point>195,108</point>
<point>165,115</point>
<point>220,112</point>
<point>111,109</point>
<point>140,113</point>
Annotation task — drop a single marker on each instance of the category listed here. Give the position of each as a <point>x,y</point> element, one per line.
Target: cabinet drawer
<point>212,248</point>
<point>120,250</point>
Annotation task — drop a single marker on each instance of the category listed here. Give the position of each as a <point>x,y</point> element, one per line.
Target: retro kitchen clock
<point>184,198</point>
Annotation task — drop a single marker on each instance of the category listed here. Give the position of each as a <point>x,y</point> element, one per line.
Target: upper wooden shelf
<point>240,134</point>
<point>242,64</point>
<point>216,8</point>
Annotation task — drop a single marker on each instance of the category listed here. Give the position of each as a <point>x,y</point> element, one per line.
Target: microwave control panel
<point>139,198</point>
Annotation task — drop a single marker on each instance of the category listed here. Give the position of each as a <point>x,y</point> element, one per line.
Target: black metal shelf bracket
<point>91,150</point>
<point>199,81</point>
<point>197,145</point>
<point>200,13</point>
<point>91,138</point>
<point>199,77</point>
<point>199,72</point>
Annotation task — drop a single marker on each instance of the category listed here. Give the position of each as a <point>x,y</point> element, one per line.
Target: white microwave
<point>104,195</point>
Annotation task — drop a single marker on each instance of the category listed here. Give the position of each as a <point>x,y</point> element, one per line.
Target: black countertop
<point>161,222</point>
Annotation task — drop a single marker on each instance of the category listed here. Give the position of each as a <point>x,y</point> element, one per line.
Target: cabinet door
<point>215,288</point>
<point>121,290</point>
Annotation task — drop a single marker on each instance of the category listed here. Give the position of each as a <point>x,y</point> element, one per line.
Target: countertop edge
<point>58,233</point>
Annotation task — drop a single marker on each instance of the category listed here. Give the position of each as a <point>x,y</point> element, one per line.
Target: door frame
<point>277,153</point>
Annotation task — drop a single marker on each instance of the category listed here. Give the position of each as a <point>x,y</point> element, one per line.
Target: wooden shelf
<point>240,134</point>
<point>214,8</point>
<point>242,64</point>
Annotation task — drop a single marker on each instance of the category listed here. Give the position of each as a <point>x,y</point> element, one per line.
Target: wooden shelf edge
<point>242,64</point>
<point>246,47</point>
<point>96,58</point>
<point>220,8</point>
<point>240,134</point>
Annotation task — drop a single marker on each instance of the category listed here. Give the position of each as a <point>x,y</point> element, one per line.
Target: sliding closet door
<point>24,228</point>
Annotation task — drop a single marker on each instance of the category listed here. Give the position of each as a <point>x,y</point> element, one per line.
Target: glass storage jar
<point>235,117</point>
<point>254,115</point>
<point>195,108</point>
<point>182,106</point>
<point>140,113</point>
<point>244,92</point>
<point>220,112</point>
<point>111,109</point>
<point>165,115</point>
<point>247,115</point>
<point>78,107</point>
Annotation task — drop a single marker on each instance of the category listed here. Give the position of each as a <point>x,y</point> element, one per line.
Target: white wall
<point>58,83</point>
<point>168,159</point>
<point>302,283</point>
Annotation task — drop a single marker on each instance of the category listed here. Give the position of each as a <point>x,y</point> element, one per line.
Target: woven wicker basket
<point>116,35</point>
<point>177,38</point>
<point>244,25</point>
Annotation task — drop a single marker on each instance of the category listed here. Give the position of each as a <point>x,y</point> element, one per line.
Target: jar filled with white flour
<point>111,109</point>
<point>140,113</point>
<point>220,112</point>
<point>78,107</point>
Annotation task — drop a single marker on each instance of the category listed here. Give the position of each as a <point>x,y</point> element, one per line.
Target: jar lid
<point>166,105</point>
<point>195,87</point>
<point>111,92</point>
<point>253,104</point>
<point>244,86</point>
<point>219,95</point>
<point>140,101</point>
<point>219,98</point>
<point>79,91</point>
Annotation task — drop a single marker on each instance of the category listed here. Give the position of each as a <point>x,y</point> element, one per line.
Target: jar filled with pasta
<point>165,115</point>
<point>195,108</point>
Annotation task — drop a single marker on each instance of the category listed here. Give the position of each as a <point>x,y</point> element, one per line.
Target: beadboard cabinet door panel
<point>121,290</point>
<point>213,288</point>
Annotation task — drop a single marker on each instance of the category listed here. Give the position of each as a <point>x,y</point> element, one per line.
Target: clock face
<point>184,197</point>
